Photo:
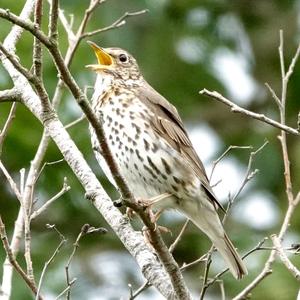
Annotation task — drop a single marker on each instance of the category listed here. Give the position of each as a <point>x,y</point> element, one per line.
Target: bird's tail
<point>231,257</point>
<point>208,221</point>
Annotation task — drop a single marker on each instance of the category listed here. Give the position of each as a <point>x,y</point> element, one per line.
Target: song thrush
<point>152,149</point>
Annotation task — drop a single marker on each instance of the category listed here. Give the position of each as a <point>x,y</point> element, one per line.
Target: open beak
<point>104,59</point>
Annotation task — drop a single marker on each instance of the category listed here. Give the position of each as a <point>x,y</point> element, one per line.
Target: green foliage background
<point>152,38</point>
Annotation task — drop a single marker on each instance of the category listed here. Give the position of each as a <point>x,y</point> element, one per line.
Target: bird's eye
<point>123,57</point>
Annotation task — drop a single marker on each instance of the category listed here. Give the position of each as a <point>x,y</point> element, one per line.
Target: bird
<point>152,149</point>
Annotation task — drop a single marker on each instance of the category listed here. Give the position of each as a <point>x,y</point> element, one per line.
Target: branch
<point>11,95</point>
<point>237,109</point>
<point>116,24</point>
<point>48,262</point>
<point>64,189</point>
<point>85,229</point>
<point>7,125</point>
<point>10,42</point>
<point>35,80</point>
<point>293,270</point>
<point>13,261</point>
<point>37,46</point>
<point>215,162</point>
<point>53,33</point>
<point>11,182</point>
<point>292,202</point>
<point>7,266</point>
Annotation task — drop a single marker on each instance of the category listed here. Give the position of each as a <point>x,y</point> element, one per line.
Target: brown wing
<point>169,125</point>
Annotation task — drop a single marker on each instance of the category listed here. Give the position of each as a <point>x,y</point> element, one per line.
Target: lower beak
<point>104,59</point>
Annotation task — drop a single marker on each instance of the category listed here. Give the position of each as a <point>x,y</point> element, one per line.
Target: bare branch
<point>53,33</point>
<point>215,162</point>
<point>26,24</point>
<point>66,289</point>
<point>206,271</point>
<point>292,202</point>
<point>193,263</point>
<point>293,270</point>
<point>237,109</point>
<point>48,262</point>
<point>249,174</point>
<point>256,248</point>
<point>118,23</point>
<point>13,261</point>
<point>282,138</point>
<point>177,240</point>
<point>275,97</point>
<point>64,189</point>
<point>6,285</point>
<point>38,84</point>
<point>11,95</point>
<point>75,122</point>
<point>7,125</point>
<point>37,46</point>
<point>11,182</point>
<point>84,230</point>
<point>139,290</point>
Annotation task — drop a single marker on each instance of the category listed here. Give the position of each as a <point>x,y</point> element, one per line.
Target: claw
<point>130,213</point>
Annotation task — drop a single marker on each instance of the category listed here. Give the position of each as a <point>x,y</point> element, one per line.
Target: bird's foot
<point>154,200</point>
<point>130,213</point>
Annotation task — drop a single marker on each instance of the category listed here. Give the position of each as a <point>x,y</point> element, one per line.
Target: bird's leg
<point>147,203</point>
<point>130,213</point>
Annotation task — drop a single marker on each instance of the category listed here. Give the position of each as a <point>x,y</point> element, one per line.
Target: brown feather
<point>168,124</point>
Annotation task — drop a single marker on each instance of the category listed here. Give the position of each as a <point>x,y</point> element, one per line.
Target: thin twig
<point>64,189</point>
<point>9,120</point>
<point>267,270</point>
<point>248,176</point>
<point>48,262</point>
<point>11,182</point>
<point>177,240</point>
<point>285,260</point>
<point>139,290</point>
<point>7,274</point>
<point>256,248</point>
<point>249,173</point>
<point>118,23</point>
<point>13,261</point>
<point>206,271</point>
<point>66,289</point>
<point>237,109</point>
<point>84,230</point>
<point>51,163</point>
<point>275,97</point>
<point>193,263</point>
<point>75,122</point>
<point>215,162</point>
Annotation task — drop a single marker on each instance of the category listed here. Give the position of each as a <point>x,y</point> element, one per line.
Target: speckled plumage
<point>152,149</point>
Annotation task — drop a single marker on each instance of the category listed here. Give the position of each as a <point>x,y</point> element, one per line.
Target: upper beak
<point>104,59</point>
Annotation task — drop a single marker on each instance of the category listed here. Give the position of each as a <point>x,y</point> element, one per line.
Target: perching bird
<point>152,149</point>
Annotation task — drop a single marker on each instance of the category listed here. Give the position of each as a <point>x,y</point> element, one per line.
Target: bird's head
<point>116,62</point>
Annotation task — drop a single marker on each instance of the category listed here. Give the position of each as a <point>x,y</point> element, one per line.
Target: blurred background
<point>181,47</point>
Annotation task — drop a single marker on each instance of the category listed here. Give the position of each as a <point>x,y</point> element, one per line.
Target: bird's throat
<point>103,85</point>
